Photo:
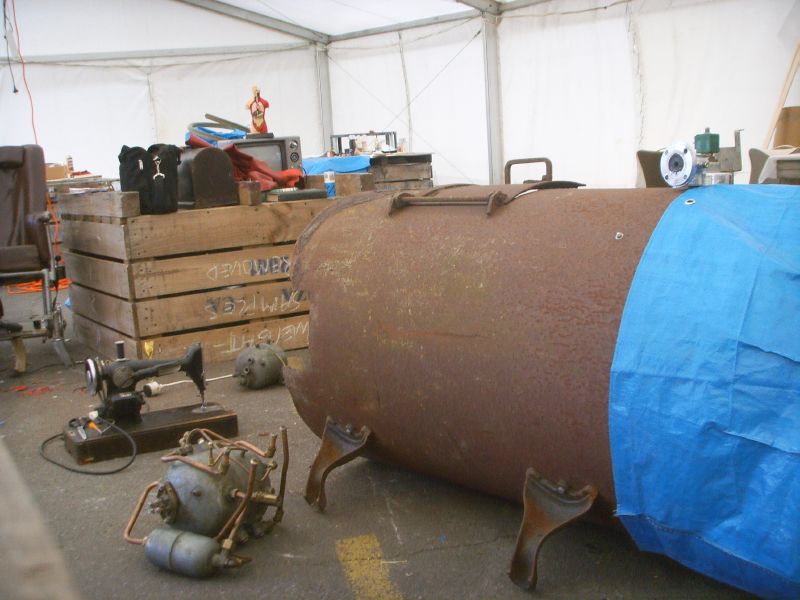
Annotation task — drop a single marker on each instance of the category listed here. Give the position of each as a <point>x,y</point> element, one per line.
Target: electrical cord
<point>24,74</point>
<point>134,452</point>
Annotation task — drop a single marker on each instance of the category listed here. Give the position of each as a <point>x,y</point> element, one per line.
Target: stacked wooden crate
<point>219,276</point>
<point>402,171</point>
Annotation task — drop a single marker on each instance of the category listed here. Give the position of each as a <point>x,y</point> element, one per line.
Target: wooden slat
<point>347,184</point>
<point>401,172</point>
<point>101,339</point>
<point>104,239</point>
<point>100,204</point>
<point>209,309</point>
<point>190,231</point>
<point>224,343</point>
<point>401,158</point>
<point>111,311</point>
<point>192,273</point>
<point>105,275</point>
<point>404,185</point>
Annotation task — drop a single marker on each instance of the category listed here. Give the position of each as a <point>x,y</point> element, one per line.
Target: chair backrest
<point>650,165</point>
<point>23,192</point>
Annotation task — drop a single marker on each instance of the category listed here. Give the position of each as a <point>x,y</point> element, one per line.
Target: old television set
<point>279,153</point>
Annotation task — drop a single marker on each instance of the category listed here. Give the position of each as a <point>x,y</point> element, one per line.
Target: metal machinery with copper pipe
<point>468,332</point>
<point>214,495</point>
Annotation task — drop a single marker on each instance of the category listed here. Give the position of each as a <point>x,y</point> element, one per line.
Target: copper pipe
<point>285,466</point>
<point>191,463</point>
<point>261,498</point>
<point>135,516</point>
<point>251,480</point>
<point>212,435</point>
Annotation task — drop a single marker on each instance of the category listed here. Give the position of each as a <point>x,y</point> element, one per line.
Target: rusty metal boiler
<point>468,332</point>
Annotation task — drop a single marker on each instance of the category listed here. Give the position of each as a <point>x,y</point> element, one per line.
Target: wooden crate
<point>219,276</point>
<point>347,184</point>
<point>402,171</point>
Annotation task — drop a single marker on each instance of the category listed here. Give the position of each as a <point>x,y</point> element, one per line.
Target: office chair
<point>26,247</point>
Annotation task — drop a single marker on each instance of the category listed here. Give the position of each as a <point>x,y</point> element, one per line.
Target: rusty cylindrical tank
<point>473,346</point>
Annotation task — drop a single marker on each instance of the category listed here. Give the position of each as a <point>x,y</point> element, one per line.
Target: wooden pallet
<point>219,276</point>
<point>403,171</point>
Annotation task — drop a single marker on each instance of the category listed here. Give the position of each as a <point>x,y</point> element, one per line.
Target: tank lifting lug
<point>339,446</point>
<point>547,508</point>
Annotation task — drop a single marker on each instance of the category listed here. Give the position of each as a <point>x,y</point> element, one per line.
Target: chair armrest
<point>35,228</point>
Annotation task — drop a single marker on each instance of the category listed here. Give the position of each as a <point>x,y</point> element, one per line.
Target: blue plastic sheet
<point>704,405</point>
<point>212,134</point>
<point>337,164</point>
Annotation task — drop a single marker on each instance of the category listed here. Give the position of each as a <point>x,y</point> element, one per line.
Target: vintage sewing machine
<point>91,438</point>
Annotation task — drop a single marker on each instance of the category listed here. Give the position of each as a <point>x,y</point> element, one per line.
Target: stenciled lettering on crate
<point>282,335</point>
<point>254,267</point>
<point>254,304</point>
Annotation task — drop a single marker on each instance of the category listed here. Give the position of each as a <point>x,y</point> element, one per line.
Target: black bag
<point>153,173</point>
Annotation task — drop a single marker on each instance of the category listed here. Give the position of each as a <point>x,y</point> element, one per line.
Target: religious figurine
<point>257,105</point>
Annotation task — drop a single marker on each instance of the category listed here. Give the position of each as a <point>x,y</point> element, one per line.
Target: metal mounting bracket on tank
<point>547,507</point>
<point>404,199</point>
<point>495,198</point>
<point>339,446</point>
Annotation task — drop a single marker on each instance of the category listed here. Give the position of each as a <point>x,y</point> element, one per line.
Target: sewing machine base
<point>158,430</point>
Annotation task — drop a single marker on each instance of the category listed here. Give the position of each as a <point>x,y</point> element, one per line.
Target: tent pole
<point>494,117</point>
<point>324,88</point>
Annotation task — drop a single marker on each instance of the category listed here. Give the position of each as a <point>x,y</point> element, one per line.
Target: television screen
<point>268,152</point>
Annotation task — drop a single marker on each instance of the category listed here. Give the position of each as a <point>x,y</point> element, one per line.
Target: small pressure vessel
<point>182,552</point>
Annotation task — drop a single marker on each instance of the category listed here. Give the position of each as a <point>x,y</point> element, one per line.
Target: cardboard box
<point>787,131</point>
<point>55,171</point>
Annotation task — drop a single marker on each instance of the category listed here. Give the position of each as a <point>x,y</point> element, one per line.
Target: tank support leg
<point>547,508</point>
<point>339,446</point>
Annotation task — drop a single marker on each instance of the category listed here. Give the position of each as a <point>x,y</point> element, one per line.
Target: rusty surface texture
<point>473,346</point>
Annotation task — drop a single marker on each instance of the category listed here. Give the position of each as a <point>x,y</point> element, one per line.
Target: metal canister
<point>182,551</point>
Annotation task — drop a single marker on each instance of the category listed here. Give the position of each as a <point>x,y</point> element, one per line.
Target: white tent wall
<point>733,83</point>
<point>84,112</point>
<point>367,89</point>
<point>584,82</point>
<point>444,68</point>
<point>588,88</point>
<point>89,109</point>
<point>184,93</point>
<point>446,85</point>
<point>568,92</point>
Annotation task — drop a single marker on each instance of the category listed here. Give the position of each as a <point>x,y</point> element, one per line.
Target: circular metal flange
<point>92,376</point>
<point>678,164</point>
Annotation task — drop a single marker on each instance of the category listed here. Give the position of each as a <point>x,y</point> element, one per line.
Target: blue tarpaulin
<point>704,404</point>
<point>337,164</point>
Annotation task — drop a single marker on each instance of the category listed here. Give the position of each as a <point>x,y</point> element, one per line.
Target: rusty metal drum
<point>625,352</point>
<point>473,345</point>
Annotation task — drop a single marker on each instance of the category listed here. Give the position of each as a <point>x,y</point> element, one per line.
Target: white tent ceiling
<point>341,18</point>
<point>348,16</point>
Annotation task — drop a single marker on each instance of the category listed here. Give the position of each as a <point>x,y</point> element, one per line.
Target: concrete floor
<point>399,535</point>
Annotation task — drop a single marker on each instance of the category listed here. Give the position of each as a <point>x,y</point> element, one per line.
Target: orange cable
<point>31,287</point>
<point>50,208</point>
<point>24,75</point>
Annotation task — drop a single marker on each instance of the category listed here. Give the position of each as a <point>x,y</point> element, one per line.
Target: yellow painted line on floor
<point>366,569</point>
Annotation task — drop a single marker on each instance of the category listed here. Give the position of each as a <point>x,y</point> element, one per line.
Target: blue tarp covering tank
<point>705,389</point>
<point>476,342</point>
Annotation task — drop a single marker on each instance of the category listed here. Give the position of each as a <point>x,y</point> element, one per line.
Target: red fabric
<point>249,168</point>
